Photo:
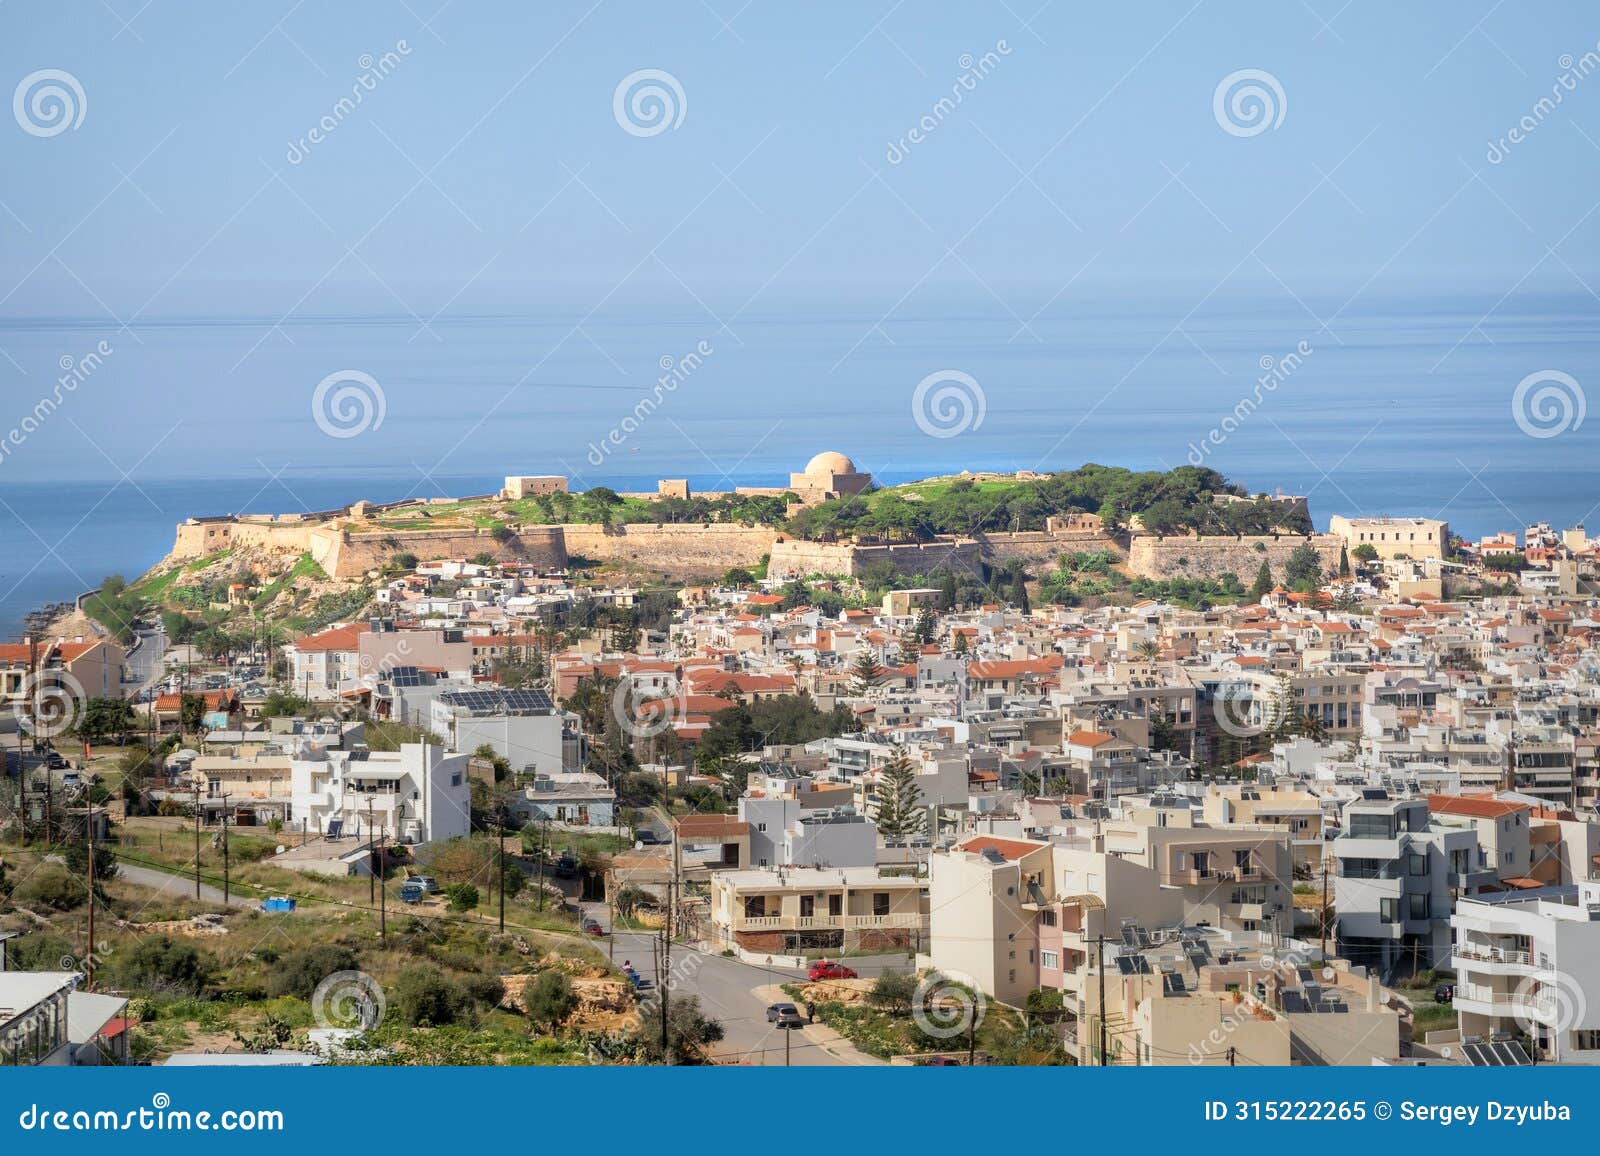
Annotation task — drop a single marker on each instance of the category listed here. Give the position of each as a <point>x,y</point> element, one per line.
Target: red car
<point>825,969</point>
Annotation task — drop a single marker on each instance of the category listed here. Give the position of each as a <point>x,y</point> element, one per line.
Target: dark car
<point>650,839</point>
<point>566,866</point>
<point>592,927</point>
<point>827,969</point>
<point>1444,993</point>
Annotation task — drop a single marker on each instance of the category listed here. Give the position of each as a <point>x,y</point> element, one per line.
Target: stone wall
<point>686,550</point>
<point>1150,556</point>
<point>1042,547</point>
<point>199,538</point>
<point>352,555</point>
<point>791,558</point>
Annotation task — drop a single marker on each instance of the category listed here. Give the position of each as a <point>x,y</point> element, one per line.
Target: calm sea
<point>1399,407</point>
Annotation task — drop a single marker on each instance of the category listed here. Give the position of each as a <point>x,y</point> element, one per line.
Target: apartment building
<point>1393,537</point>
<point>418,794</point>
<point>1528,963</point>
<point>1239,878</point>
<point>1298,812</point>
<point>1396,871</point>
<point>789,910</point>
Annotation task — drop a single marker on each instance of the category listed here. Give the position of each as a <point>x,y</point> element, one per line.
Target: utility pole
<point>544,838</point>
<point>383,905</point>
<point>500,854</point>
<point>972,1036</point>
<point>372,875</point>
<point>88,954</point>
<point>1324,913</point>
<point>663,964</point>
<point>611,917</point>
<point>1232,1055</point>
<point>196,789</point>
<point>22,787</point>
<point>1100,969</point>
<point>227,892</point>
<point>787,1032</point>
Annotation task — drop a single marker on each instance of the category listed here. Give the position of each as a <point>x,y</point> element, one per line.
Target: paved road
<point>144,664</point>
<point>728,992</point>
<point>179,886</point>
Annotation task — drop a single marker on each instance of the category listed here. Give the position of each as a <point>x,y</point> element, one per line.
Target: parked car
<point>827,969</point>
<point>566,866</point>
<point>1444,993</point>
<point>790,1019</point>
<point>649,838</point>
<point>429,885</point>
<point>411,891</point>
<point>777,1010</point>
<point>592,927</point>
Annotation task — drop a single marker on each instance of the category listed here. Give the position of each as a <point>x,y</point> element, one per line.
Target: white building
<point>1529,962</point>
<point>419,792</point>
<point>523,726</point>
<point>785,833</point>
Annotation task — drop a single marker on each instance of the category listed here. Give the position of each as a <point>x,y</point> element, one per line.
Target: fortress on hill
<point>353,540</point>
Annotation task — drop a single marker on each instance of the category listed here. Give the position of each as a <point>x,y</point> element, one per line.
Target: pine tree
<point>927,626</point>
<point>1019,594</point>
<point>900,810</point>
<point>867,672</point>
<point>947,594</point>
<point>1344,561</point>
<point>1263,583</point>
<point>960,644</point>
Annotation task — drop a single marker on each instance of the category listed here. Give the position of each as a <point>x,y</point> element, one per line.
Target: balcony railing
<point>1484,953</point>
<point>825,922</point>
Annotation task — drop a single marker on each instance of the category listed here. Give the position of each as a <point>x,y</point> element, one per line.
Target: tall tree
<point>867,672</point>
<point>900,810</point>
<point>1263,583</point>
<point>947,593</point>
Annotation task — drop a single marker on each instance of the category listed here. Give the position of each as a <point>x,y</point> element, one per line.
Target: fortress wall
<point>1042,547</point>
<point>198,539</point>
<point>797,558</point>
<point>1185,557</point>
<point>680,550</point>
<point>346,555</point>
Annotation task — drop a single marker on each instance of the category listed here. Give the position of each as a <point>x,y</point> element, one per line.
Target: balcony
<point>906,921</point>
<point>1496,960</point>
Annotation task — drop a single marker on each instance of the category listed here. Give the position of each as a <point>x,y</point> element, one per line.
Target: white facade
<point>1531,963</point>
<point>419,792</point>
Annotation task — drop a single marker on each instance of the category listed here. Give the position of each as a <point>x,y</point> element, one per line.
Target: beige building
<point>1297,812</point>
<point>1393,537</point>
<point>791,910</point>
<point>1238,878</point>
<point>828,475</point>
<point>531,485</point>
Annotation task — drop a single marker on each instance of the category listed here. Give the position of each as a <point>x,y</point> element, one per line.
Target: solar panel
<point>1128,937</point>
<point>1174,984</point>
<point>1477,1055</point>
<point>1125,964</point>
<point>1197,959</point>
<point>499,701</point>
<point>1143,935</point>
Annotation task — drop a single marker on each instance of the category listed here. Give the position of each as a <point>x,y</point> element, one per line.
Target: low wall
<point>1150,556</point>
<point>352,555</point>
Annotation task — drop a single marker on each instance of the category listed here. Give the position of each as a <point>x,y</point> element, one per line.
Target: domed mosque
<point>828,475</point>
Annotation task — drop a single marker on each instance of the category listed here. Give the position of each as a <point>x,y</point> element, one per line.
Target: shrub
<point>52,886</point>
<point>893,990</point>
<point>425,996</point>
<point>162,964</point>
<point>40,951</point>
<point>461,896</point>
<point>549,999</point>
<point>487,990</point>
<point>303,970</point>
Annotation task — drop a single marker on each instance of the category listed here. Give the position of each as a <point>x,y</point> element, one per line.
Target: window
<point>808,906</point>
<point>1049,959</point>
<point>1241,859</point>
<point>836,905</point>
<point>880,903</point>
<point>1586,1040</point>
<point>1419,905</point>
<point>1416,863</point>
<point>1389,910</point>
<point>1047,918</point>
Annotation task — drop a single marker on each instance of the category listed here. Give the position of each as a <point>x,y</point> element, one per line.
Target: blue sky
<point>1085,174</point>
